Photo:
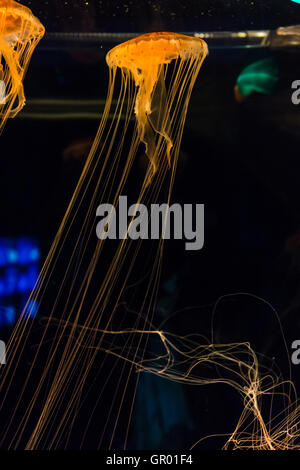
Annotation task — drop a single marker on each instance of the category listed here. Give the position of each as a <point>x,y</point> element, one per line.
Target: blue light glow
<point>31,309</point>
<point>7,316</point>
<point>19,272</point>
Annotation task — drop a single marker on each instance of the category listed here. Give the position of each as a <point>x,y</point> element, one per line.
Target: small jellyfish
<point>20,32</point>
<point>158,109</point>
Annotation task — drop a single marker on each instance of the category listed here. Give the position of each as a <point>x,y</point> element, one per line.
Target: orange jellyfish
<point>160,112</point>
<point>158,72</point>
<point>20,32</point>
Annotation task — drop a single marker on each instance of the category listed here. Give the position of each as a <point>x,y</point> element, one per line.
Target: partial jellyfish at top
<point>20,32</point>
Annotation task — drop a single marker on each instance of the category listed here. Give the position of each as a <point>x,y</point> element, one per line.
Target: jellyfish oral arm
<point>143,110</point>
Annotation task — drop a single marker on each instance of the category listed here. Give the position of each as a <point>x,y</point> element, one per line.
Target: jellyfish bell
<point>20,32</point>
<point>18,24</point>
<point>145,59</point>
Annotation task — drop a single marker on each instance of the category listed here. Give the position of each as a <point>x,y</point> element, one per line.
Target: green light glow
<point>262,77</point>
